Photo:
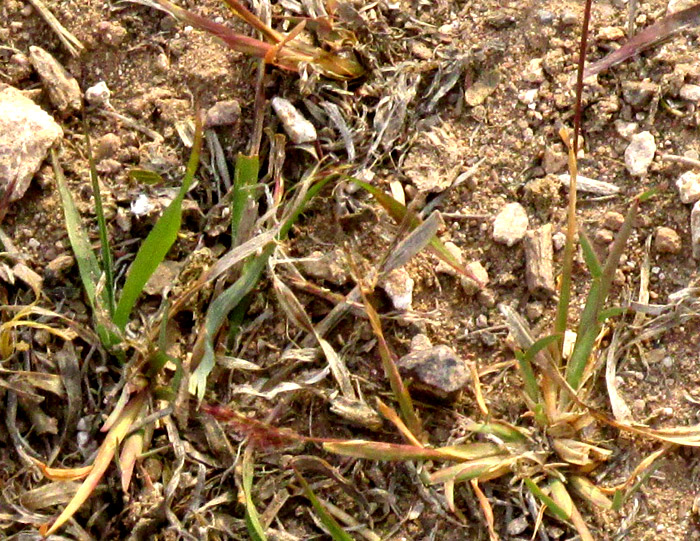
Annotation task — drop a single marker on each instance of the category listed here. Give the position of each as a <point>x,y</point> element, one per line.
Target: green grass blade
<point>144,176</point>
<point>252,519</point>
<point>88,267</point>
<point>336,531</point>
<point>107,263</point>
<point>585,340</point>
<point>557,510</point>
<point>227,301</point>
<point>218,313</point>
<point>589,256</point>
<point>245,178</point>
<point>158,242</point>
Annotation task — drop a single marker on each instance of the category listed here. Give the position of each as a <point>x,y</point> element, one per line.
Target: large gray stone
<point>27,133</point>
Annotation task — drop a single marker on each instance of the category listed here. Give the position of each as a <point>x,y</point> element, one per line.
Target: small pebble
<point>223,113</point>
<point>667,241</point>
<point>399,287</point>
<point>545,17</point>
<point>111,34</point>
<point>510,225</point>
<point>437,371</point>
<point>688,185</point>
<point>604,236</point>
<point>626,129</point>
<point>107,146</point>
<point>559,240</point>
<point>445,268</point>
<point>690,92</point>
<point>639,93</point>
<point>613,220</point>
<point>569,18</point>
<point>640,153</point>
<point>98,95</point>
<point>695,229</point>
<point>469,286</point>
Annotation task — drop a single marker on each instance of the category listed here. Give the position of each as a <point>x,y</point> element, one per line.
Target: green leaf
<point>336,531</point>
<point>158,242</point>
<point>245,179</point>
<point>252,519</point>
<point>143,176</point>
<point>589,256</point>
<point>88,267</point>
<point>558,511</point>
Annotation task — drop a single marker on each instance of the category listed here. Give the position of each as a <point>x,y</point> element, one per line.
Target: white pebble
<point>688,185</point>
<point>690,92</point>
<point>510,225</point>
<point>640,153</point>
<point>98,94</point>
<point>695,229</point>
<point>299,129</point>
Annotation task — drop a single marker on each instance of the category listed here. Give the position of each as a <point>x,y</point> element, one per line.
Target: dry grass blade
<point>104,457</point>
<point>295,311</point>
<point>486,508</point>
<point>657,32</point>
<point>73,44</point>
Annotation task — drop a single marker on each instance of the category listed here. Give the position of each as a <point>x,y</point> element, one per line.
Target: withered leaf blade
<point>657,32</point>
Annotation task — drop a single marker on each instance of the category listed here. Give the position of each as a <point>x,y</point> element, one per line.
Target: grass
<point>552,452</point>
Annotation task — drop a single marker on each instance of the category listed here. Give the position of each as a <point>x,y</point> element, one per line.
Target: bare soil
<point>158,71</point>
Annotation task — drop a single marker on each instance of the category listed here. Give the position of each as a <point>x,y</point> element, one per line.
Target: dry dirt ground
<point>429,59</point>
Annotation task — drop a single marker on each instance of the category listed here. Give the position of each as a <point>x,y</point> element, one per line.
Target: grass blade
<point>252,519</point>
<point>399,213</point>
<point>657,32</point>
<point>245,178</point>
<point>88,267</point>
<point>107,264</point>
<point>336,531</point>
<point>158,242</point>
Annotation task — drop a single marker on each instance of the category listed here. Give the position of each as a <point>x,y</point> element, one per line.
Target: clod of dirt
<point>695,229</point>
<point>26,134</point>
<point>688,185</point>
<point>477,93</point>
<point>107,146</point>
<point>399,287</point>
<point>639,93</point>
<point>667,241</point>
<point>223,113</point>
<point>163,278</point>
<point>299,129</point>
<point>434,160</point>
<point>626,129</point>
<point>436,371</point>
<point>640,153</point>
<point>510,224</point>
<point>329,266</point>
<point>62,88</point>
<point>111,34</point>
<point>555,159</point>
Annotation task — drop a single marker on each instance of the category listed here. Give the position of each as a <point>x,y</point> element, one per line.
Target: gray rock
<point>437,371</point>
<point>695,229</point>
<point>510,224</point>
<point>640,153</point>
<point>678,5</point>
<point>688,185</point>
<point>27,133</point>
<point>61,86</point>
<point>98,94</point>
